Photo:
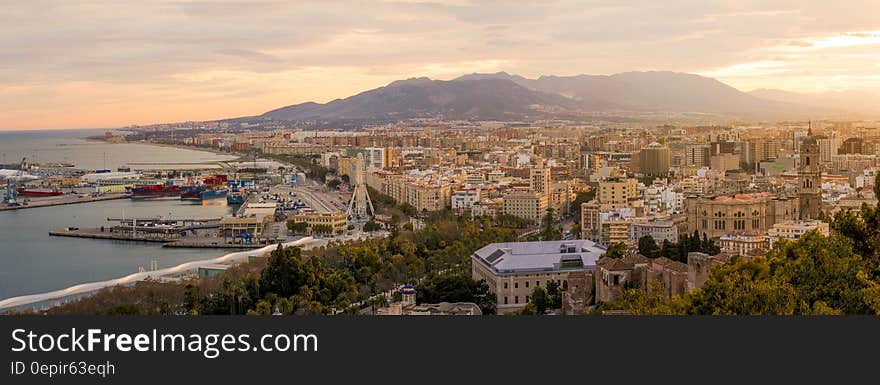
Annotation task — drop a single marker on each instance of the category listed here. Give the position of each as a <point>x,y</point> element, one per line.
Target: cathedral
<point>809,179</point>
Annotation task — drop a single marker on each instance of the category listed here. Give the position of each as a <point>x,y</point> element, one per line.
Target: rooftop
<point>544,256</point>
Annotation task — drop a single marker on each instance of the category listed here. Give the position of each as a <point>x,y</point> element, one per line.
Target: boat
<point>216,180</point>
<point>155,191</point>
<point>215,193</point>
<point>200,193</point>
<point>235,197</point>
<point>192,193</point>
<point>38,193</point>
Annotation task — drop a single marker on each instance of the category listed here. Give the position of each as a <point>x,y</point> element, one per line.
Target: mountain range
<point>505,96</point>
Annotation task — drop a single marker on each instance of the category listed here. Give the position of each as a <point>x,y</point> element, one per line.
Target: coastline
<point>75,291</point>
<point>166,145</point>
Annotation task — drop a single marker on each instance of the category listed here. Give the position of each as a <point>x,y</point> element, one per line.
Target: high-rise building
<point>696,155</point>
<point>654,160</point>
<point>617,192</point>
<point>853,146</point>
<point>375,157</point>
<point>590,220</point>
<point>539,179</point>
<point>722,147</point>
<point>827,148</point>
<point>527,205</point>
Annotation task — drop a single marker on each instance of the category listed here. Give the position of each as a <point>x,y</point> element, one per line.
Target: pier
<point>147,230</point>
<point>68,199</point>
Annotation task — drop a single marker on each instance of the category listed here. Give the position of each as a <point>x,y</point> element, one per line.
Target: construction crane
<point>11,197</point>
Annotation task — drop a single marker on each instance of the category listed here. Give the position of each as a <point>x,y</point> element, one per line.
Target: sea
<point>33,262</point>
<point>70,146</point>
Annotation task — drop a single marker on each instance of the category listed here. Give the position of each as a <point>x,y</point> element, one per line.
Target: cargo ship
<point>215,193</point>
<point>155,191</point>
<point>38,193</point>
<point>201,193</point>
<point>216,180</point>
<point>235,197</point>
<point>192,193</point>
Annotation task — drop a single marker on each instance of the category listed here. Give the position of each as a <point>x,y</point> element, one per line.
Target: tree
<point>457,288</point>
<point>297,227</point>
<point>408,209</point>
<point>615,250</point>
<point>582,197</point>
<point>322,229</point>
<point>507,220</point>
<point>810,276</point>
<point>576,230</point>
<point>554,295</point>
<point>191,299</point>
<point>334,183</point>
<point>540,300</point>
<point>371,226</point>
<point>549,232</point>
<point>877,186</point>
<point>284,274</point>
<point>529,309</point>
<point>648,246</point>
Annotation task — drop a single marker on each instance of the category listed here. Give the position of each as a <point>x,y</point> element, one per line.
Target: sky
<point>67,64</point>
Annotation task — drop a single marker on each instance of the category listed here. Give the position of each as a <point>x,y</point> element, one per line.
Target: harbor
<point>85,224</point>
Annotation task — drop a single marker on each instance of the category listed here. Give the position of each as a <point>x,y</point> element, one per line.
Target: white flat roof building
<point>513,270</point>
<point>543,256</point>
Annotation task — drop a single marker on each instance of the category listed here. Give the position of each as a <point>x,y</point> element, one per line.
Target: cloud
<point>180,60</point>
<point>248,54</point>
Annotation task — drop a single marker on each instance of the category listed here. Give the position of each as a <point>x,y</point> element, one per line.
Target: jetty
<point>157,229</point>
<point>67,199</point>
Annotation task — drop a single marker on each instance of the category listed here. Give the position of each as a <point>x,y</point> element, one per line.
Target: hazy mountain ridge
<point>851,101</point>
<point>502,95</point>
<point>423,97</point>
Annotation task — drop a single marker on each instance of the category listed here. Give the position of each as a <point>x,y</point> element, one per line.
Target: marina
<point>35,261</point>
<point>89,224</point>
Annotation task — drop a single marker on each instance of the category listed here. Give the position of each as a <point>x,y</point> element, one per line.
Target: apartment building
<point>527,205</point>
<point>617,192</point>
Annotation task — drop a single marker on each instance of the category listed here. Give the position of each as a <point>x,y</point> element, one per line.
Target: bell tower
<point>809,178</point>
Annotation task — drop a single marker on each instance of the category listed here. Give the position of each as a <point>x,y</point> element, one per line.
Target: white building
<point>375,157</point>
<point>742,244</point>
<point>465,199</point>
<point>659,230</point>
<point>795,229</point>
<point>514,269</point>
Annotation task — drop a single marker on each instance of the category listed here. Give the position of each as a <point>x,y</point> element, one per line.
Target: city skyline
<point>106,65</point>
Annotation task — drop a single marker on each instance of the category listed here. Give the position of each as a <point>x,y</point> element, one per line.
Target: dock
<point>217,244</point>
<point>172,232</point>
<point>98,234</point>
<point>65,200</point>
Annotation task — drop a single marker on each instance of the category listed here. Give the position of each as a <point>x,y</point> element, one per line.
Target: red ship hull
<point>38,193</point>
<point>157,191</point>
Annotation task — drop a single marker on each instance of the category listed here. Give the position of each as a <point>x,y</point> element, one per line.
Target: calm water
<point>67,146</point>
<point>33,262</point>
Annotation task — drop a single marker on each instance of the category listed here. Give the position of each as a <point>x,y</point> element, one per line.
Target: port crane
<point>11,196</point>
